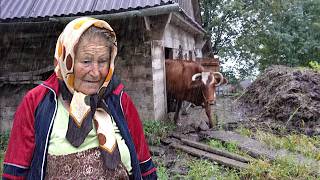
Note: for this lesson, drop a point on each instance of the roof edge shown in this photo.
(152, 11)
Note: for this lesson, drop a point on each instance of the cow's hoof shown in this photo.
(179, 124)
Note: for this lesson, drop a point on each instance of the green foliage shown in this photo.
(204, 169)
(200, 169)
(4, 137)
(162, 172)
(155, 130)
(258, 33)
(314, 65)
(1, 161)
(228, 146)
(244, 131)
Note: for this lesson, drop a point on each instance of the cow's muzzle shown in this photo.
(212, 103)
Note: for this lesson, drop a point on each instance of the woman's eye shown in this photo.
(86, 61)
(103, 61)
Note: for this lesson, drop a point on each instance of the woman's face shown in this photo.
(91, 67)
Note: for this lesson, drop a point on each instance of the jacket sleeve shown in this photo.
(21, 142)
(147, 167)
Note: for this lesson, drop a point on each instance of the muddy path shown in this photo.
(225, 114)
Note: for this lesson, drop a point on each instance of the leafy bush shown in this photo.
(314, 65)
(4, 137)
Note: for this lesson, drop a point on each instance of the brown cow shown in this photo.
(187, 81)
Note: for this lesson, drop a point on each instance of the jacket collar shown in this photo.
(52, 82)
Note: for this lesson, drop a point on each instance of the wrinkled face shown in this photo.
(91, 67)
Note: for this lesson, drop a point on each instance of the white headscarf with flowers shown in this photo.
(64, 68)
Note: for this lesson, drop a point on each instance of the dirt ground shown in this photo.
(225, 114)
(284, 98)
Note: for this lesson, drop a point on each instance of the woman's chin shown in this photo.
(88, 90)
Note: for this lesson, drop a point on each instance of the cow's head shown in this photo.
(209, 81)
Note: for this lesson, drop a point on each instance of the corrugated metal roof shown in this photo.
(11, 9)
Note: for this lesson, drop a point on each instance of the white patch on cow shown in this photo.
(205, 77)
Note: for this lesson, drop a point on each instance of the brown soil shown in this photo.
(285, 97)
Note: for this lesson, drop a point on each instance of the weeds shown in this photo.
(1, 161)
(281, 168)
(228, 146)
(200, 169)
(155, 130)
(314, 65)
(162, 172)
(308, 146)
(4, 137)
(204, 169)
(244, 131)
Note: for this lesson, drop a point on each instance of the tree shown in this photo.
(258, 33)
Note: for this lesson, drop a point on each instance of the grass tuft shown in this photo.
(299, 143)
(156, 130)
(281, 168)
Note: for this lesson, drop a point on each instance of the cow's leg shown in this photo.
(176, 115)
(208, 112)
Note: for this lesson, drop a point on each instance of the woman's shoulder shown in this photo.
(35, 95)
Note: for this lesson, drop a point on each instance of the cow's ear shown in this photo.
(218, 77)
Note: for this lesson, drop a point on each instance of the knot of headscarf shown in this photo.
(86, 110)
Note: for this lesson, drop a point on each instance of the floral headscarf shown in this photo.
(86, 108)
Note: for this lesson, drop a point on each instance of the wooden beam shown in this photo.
(215, 150)
(210, 156)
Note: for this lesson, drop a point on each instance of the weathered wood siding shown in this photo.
(179, 39)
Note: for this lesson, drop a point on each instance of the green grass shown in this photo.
(299, 143)
(228, 146)
(204, 169)
(162, 172)
(4, 137)
(155, 130)
(1, 161)
(282, 168)
(245, 131)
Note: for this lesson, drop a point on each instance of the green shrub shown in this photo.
(4, 137)
(314, 65)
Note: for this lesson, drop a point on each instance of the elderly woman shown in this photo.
(79, 124)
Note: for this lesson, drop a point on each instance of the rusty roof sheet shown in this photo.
(24, 9)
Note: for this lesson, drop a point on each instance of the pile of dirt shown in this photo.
(289, 97)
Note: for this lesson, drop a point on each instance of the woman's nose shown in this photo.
(95, 71)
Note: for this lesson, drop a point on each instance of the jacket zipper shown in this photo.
(51, 123)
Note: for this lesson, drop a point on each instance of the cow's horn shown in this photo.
(221, 78)
(194, 77)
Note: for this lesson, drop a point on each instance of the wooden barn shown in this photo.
(148, 32)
